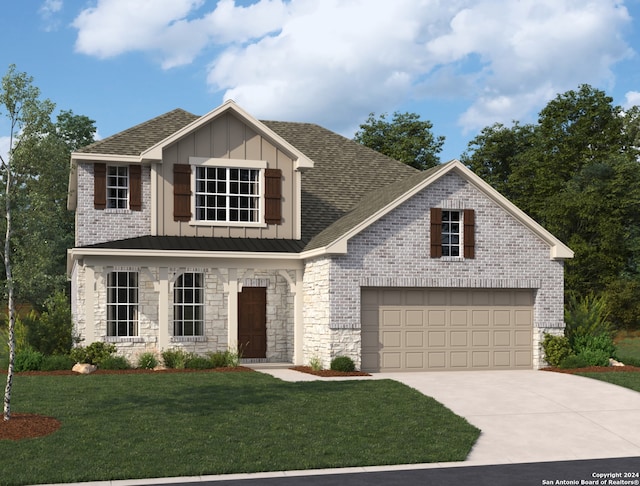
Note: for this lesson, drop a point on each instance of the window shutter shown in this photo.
(181, 192)
(273, 196)
(436, 232)
(135, 187)
(469, 233)
(99, 186)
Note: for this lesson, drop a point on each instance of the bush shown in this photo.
(586, 316)
(556, 349)
(573, 361)
(28, 360)
(342, 363)
(176, 358)
(196, 362)
(57, 362)
(223, 359)
(114, 363)
(600, 343)
(631, 361)
(595, 357)
(315, 363)
(93, 354)
(147, 360)
(51, 332)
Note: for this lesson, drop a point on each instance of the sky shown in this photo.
(460, 64)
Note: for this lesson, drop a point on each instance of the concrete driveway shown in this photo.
(536, 416)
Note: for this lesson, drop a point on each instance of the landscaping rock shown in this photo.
(84, 368)
(613, 362)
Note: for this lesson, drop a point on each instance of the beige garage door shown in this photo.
(446, 329)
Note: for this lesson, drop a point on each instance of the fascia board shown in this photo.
(72, 188)
(76, 253)
(91, 157)
(300, 160)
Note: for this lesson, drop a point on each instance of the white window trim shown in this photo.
(460, 245)
(195, 337)
(260, 165)
(128, 197)
(136, 320)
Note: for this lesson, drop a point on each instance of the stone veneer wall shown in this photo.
(100, 225)
(395, 252)
(279, 313)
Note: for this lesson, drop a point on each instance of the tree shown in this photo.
(577, 173)
(45, 228)
(405, 138)
(29, 118)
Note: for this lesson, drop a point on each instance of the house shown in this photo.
(291, 243)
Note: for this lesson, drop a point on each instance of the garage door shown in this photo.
(446, 329)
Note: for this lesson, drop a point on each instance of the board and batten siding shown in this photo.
(225, 137)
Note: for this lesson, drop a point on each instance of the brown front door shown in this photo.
(252, 322)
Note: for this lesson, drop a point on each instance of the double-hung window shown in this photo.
(452, 233)
(117, 187)
(225, 194)
(188, 305)
(122, 304)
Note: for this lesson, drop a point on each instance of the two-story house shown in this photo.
(290, 242)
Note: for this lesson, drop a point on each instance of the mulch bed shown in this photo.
(27, 426)
(328, 373)
(135, 371)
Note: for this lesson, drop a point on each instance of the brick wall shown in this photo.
(97, 226)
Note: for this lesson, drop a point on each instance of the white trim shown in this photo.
(113, 158)
(228, 163)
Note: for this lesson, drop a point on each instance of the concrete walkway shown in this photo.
(529, 416)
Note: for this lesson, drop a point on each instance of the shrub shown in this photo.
(57, 362)
(573, 361)
(586, 316)
(114, 363)
(342, 363)
(217, 359)
(175, 358)
(147, 360)
(198, 363)
(28, 360)
(556, 349)
(595, 357)
(93, 354)
(631, 361)
(51, 331)
(602, 343)
(315, 363)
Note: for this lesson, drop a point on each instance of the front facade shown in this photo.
(290, 243)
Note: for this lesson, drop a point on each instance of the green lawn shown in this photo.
(628, 350)
(156, 425)
(628, 379)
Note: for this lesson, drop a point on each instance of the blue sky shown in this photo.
(462, 64)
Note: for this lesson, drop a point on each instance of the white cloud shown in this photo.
(632, 98)
(48, 11)
(335, 61)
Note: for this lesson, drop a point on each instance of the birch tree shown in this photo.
(29, 119)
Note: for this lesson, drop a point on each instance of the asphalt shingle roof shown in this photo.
(348, 183)
(195, 243)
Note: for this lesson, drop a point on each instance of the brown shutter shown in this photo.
(135, 188)
(273, 196)
(436, 232)
(469, 233)
(181, 192)
(99, 186)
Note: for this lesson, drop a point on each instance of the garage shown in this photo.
(446, 329)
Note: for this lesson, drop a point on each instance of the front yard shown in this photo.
(185, 424)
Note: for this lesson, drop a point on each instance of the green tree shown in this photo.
(577, 173)
(405, 138)
(29, 119)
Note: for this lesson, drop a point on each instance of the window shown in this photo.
(122, 304)
(117, 187)
(227, 194)
(188, 305)
(452, 233)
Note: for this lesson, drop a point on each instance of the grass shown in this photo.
(144, 426)
(626, 379)
(628, 349)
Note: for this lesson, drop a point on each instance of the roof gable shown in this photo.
(379, 203)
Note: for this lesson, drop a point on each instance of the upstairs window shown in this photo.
(452, 233)
(227, 194)
(117, 187)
